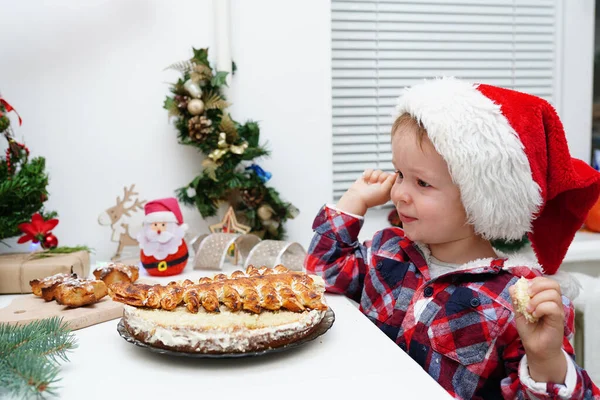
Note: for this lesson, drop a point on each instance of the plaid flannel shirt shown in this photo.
(459, 327)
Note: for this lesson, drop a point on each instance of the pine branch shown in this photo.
(29, 356)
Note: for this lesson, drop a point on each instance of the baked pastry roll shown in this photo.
(45, 287)
(117, 272)
(253, 291)
(80, 292)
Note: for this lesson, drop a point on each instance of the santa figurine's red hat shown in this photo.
(163, 210)
(508, 154)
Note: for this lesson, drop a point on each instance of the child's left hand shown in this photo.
(543, 339)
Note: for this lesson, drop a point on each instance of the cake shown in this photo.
(254, 310)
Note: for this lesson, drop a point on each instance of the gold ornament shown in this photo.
(229, 224)
(265, 212)
(195, 106)
(224, 147)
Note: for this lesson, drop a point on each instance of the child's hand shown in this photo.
(543, 339)
(370, 190)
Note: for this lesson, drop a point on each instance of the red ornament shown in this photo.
(50, 241)
(37, 229)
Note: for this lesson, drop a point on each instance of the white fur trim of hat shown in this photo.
(160, 216)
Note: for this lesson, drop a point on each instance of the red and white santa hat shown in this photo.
(163, 210)
(508, 154)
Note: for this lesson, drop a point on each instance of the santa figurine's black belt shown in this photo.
(163, 265)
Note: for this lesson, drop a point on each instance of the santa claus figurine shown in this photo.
(163, 249)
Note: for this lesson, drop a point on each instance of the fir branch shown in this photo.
(29, 356)
(22, 195)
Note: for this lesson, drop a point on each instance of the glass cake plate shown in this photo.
(319, 329)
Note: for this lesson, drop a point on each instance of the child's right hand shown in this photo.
(371, 189)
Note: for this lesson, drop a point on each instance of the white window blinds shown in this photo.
(382, 46)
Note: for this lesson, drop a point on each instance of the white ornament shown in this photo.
(191, 192)
(193, 88)
(195, 106)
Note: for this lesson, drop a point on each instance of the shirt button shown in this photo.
(428, 292)
(475, 302)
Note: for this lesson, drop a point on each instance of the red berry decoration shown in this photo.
(50, 241)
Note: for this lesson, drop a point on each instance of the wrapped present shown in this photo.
(17, 269)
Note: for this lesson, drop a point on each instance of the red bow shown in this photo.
(9, 108)
(37, 229)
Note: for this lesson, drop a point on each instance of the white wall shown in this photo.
(88, 80)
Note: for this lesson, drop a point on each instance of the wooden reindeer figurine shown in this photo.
(119, 217)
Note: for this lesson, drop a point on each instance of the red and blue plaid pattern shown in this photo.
(459, 327)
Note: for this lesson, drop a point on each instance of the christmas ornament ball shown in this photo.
(264, 212)
(50, 241)
(195, 107)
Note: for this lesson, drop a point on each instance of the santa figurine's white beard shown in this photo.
(161, 245)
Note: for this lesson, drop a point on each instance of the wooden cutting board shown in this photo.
(28, 308)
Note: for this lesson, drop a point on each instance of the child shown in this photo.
(473, 163)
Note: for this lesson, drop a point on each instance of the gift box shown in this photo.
(17, 269)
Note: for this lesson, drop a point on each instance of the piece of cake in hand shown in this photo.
(80, 292)
(117, 272)
(522, 299)
(45, 287)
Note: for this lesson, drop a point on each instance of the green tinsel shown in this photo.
(23, 186)
(223, 177)
(30, 355)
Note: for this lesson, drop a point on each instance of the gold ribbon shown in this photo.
(224, 147)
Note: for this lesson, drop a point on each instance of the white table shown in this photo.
(353, 359)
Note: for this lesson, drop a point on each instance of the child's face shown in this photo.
(428, 202)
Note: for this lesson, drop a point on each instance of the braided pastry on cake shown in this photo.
(253, 291)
